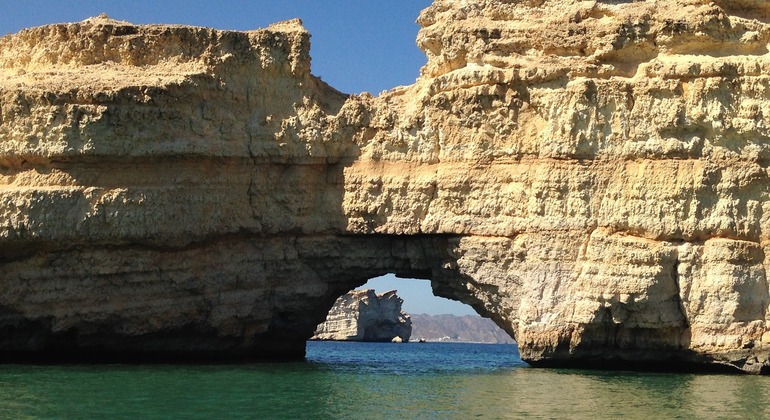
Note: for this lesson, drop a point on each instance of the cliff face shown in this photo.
(592, 175)
(363, 315)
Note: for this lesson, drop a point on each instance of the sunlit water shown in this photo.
(371, 380)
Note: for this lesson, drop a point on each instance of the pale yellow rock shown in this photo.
(591, 175)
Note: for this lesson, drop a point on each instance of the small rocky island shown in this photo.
(363, 315)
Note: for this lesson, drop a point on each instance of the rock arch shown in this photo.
(591, 175)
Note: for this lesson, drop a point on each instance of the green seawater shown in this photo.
(373, 381)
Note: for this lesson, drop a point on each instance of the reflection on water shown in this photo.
(548, 394)
(375, 381)
(580, 394)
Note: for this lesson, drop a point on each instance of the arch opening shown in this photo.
(402, 309)
(446, 335)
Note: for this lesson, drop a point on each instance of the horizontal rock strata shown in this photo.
(592, 175)
(363, 315)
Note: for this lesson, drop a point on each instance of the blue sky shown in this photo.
(357, 45)
(418, 296)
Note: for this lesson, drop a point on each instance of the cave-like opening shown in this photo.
(367, 325)
(433, 318)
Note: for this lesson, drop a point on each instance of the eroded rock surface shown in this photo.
(592, 175)
(363, 315)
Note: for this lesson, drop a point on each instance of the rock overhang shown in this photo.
(591, 175)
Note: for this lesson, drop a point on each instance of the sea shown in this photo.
(346, 380)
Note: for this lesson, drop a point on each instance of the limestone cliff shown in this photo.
(592, 175)
(363, 315)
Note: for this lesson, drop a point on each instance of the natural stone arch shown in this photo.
(351, 261)
(197, 196)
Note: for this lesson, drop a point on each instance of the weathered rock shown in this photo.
(592, 175)
(363, 315)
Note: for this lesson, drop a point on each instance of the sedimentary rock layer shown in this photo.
(592, 175)
(363, 315)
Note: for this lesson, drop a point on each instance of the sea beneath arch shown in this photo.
(344, 380)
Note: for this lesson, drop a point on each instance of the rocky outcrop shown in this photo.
(592, 175)
(453, 328)
(363, 315)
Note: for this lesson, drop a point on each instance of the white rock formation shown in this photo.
(363, 315)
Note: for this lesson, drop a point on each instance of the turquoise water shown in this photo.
(374, 380)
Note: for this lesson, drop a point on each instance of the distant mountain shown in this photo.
(468, 328)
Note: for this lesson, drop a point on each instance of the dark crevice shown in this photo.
(678, 296)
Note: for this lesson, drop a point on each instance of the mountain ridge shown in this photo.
(457, 328)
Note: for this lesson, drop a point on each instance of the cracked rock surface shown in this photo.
(364, 315)
(592, 175)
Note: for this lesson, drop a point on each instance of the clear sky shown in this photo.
(418, 296)
(356, 46)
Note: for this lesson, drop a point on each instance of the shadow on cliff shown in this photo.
(199, 218)
(359, 258)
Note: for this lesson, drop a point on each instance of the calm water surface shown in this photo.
(373, 380)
